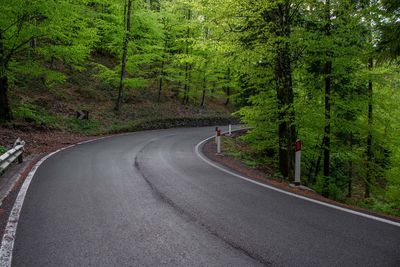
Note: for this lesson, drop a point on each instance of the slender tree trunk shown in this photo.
(121, 89)
(162, 72)
(228, 89)
(350, 181)
(287, 133)
(125, 12)
(161, 81)
(5, 110)
(318, 162)
(327, 128)
(203, 98)
(190, 82)
(283, 77)
(188, 78)
(187, 67)
(186, 83)
(33, 42)
(369, 138)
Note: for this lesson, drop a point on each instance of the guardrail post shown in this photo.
(230, 129)
(20, 159)
(219, 142)
(297, 162)
(17, 143)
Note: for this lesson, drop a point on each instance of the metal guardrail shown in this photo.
(13, 154)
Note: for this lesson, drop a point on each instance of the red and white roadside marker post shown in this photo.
(216, 134)
(219, 142)
(297, 170)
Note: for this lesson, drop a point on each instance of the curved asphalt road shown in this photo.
(146, 199)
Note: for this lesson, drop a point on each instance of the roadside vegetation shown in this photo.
(326, 72)
(238, 148)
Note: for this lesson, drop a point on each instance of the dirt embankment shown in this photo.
(38, 140)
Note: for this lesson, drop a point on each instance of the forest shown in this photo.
(326, 72)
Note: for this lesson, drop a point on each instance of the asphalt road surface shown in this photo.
(147, 199)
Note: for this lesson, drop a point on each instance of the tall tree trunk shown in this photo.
(5, 110)
(203, 98)
(327, 128)
(125, 12)
(161, 81)
(350, 174)
(283, 77)
(186, 91)
(228, 88)
(369, 138)
(121, 89)
(187, 67)
(318, 161)
(162, 72)
(190, 82)
(287, 132)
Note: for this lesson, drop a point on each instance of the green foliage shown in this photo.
(33, 114)
(348, 39)
(88, 127)
(53, 31)
(389, 43)
(234, 149)
(2, 150)
(336, 192)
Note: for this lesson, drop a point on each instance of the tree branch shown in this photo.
(15, 49)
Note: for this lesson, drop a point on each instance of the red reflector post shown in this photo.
(298, 145)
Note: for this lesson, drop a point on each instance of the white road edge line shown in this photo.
(7, 243)
(201, 155)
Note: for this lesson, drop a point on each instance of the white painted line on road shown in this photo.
(102, 138)
(200, 155)
(92, 140)
(7, 243)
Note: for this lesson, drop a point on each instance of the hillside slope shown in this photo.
(45, 114)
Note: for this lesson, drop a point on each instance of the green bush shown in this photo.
(2, 150)
(89, 127)
(31, 113)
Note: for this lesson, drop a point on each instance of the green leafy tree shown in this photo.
(35, 36)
